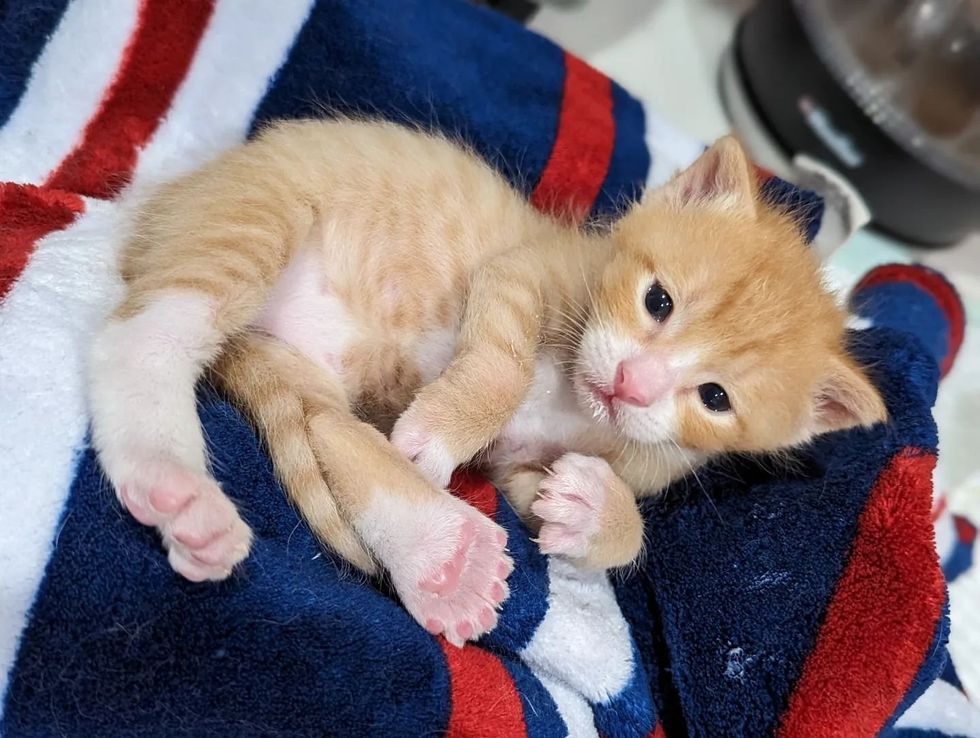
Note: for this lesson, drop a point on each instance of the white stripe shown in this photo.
(964, 627)
(67, 289)
(46, 322)
(583, 640)
(670, 149)
(243, 47)
(574, 711)
(943, 708)
(67, 85)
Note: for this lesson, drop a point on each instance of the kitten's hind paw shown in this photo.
(453, 579)
(201, 529)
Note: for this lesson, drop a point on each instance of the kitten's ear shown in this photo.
(846, 398)
(721, 177)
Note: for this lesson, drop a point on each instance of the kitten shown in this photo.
(339, 275)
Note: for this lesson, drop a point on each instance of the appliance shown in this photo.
(885, 92)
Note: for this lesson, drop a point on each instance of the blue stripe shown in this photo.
(445, 64)
(806, 206)
(930, 669)
(959, 561)
(906, 307)
(25, 28)
(631, 712)
(950, 676)
(541, 716)
(527, 605)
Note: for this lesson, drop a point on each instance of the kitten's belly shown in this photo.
(549, 423)
(307, 314)
(306, 310)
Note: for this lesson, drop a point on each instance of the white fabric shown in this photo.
(45, 323)
(68, 287)
(67, 84)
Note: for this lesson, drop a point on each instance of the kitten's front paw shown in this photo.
(570, 501)
(415, 437)
(454, 590)
(587, 513)
(201, 529)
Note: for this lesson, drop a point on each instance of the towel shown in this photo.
(800, 601)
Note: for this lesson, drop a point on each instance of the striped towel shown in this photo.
(804, 602)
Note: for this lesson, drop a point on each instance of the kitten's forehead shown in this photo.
(716, 257)
(747, 292)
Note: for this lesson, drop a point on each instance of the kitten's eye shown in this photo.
(658, 303)
(714, 397)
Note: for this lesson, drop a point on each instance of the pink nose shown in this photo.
(643, 380)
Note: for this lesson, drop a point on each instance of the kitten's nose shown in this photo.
(643, 380)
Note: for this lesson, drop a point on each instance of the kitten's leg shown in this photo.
(459, 414)
(446, 560)
(143, 369)
(263, 377)
(204, 257)
(581, 510)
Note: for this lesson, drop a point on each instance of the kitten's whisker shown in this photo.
(697, 479)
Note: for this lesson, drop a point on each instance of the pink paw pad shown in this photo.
(459, 596)
(488, 618)
(171, 500)
(446, 579)
(200, 526)
(569, 504)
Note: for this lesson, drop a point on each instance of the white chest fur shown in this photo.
(549, 422)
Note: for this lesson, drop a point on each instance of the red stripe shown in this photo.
(965, 530)
(936, 285)
(485, 701)
(475, 490)
(583, 146)
(28, 214)
(882, 619)
(153, 66)
(658, 732)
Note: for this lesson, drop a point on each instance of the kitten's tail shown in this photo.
(267, 378)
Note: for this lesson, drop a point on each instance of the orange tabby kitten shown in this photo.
(340, 275)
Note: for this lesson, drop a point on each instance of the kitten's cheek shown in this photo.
(656, 424)
(698, 432)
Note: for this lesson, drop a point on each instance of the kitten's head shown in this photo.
(711, 327)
